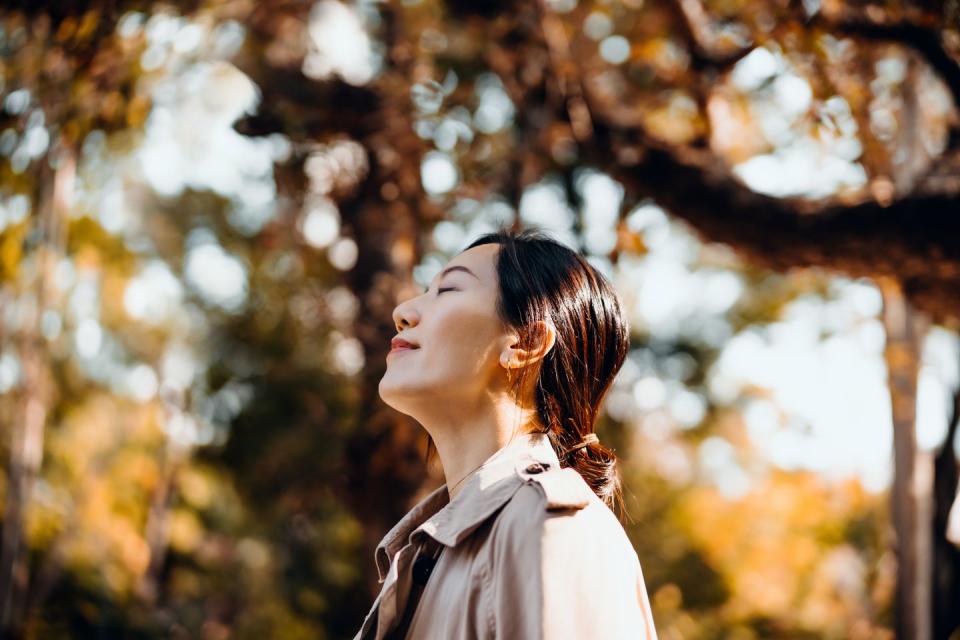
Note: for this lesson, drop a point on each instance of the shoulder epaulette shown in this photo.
(564, 488)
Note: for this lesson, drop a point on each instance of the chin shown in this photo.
(406, 397)
(394, 393)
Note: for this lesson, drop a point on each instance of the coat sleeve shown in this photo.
(566, 574)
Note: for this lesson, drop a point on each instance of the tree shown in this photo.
(470, 110)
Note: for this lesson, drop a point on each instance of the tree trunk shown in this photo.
(946, 555)
(913, 470)
(26, 446)
(156, 531)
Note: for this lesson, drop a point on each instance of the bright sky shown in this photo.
(828, 407)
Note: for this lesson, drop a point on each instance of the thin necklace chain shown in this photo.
(464, 478)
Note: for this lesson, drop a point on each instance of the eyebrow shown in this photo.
(457, 268)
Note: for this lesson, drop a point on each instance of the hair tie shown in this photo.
(590, 438)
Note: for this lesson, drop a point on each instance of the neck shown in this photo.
(465, 439)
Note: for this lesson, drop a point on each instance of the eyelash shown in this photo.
(439, 291)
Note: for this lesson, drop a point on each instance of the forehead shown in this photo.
(481, 260)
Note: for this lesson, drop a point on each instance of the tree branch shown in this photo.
(924, 40)
(707, 49)
(915, 239)
(565, 73)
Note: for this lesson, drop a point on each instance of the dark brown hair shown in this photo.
(542, 279)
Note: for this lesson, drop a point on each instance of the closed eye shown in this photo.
(439, 291)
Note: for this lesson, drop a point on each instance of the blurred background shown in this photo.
(209, 209)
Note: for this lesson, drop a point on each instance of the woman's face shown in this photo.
(458, 334)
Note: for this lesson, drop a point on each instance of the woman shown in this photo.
(504, 360)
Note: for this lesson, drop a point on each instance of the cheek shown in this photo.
(463, 332)
(458, 351)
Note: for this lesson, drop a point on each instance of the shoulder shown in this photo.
(554, 511)
(561, 565)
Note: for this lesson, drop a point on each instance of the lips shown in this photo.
(399, 344)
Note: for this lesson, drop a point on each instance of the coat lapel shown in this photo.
(450, 522)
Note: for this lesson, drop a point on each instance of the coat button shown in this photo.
(537, 467)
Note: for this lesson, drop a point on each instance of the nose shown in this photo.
(405, 315)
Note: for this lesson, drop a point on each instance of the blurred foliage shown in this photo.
(201, 316)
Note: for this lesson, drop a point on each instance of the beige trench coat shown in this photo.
(526, 551)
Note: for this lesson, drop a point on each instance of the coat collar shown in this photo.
(492, 485)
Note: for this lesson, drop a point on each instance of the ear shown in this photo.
(514, 357)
